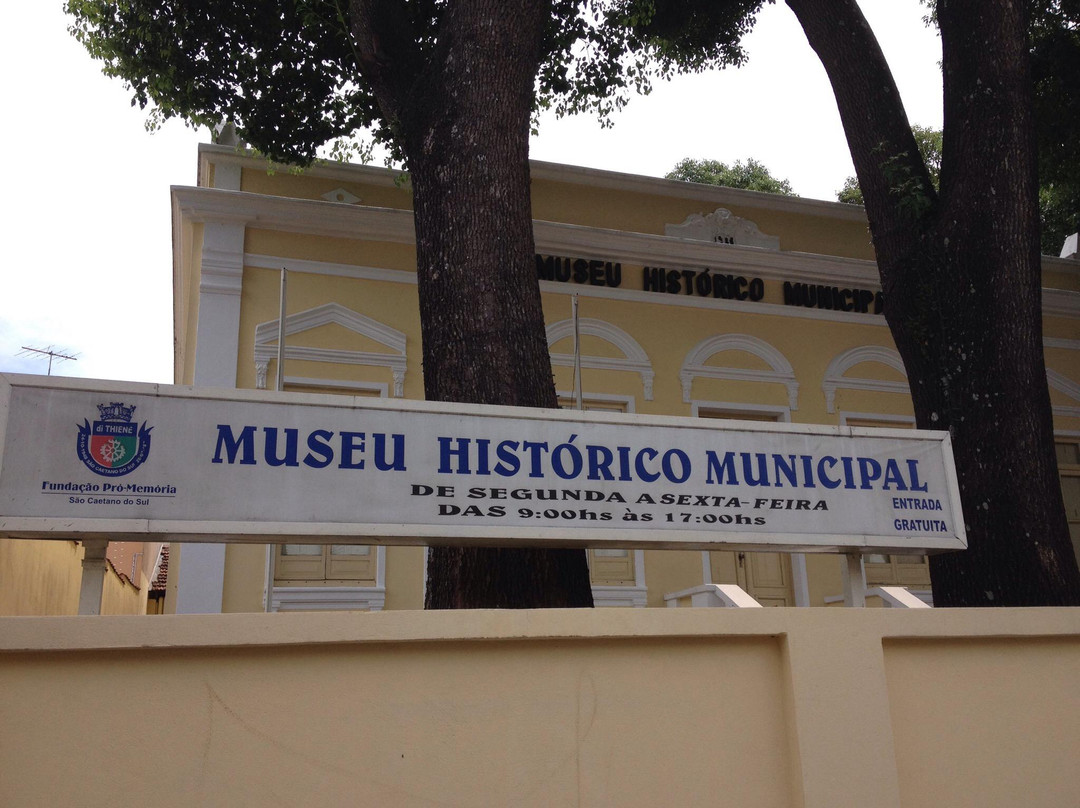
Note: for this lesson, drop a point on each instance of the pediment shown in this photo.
(722, 227)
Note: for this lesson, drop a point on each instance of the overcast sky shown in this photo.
(87, 264)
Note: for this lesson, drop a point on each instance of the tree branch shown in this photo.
(895, 181)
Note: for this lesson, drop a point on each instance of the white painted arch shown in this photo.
(1064, 384)
(836, 373)
(266, 335)
(634, 358)
(780, 371)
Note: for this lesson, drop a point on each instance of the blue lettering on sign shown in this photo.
(806, 471)
(569, 459)
(281, 447)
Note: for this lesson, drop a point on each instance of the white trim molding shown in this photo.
(199, 569)
(800, 582)
(396, 226)
(327, 314)
(845, 416)
(781, 371)
(835, 378)
(1061, 342)
(341, 195)
(722, 227)
(734, 409)
(636, 596)
(634, 358)
(346, 388)
(329, 598)
(1065, 385)
(716, 595)
(628, 402)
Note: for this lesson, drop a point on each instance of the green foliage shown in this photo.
(750, 176)
(909, 188)
(1059, 212)
(286, 74)
(851, 193)
(600, 52)
(929, 142)
(1055, 68)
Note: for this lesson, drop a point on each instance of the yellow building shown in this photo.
(694, 300)
(69, 577)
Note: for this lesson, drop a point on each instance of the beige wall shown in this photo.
(760, 707)
(40, 577)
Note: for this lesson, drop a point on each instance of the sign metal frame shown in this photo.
(21, 525)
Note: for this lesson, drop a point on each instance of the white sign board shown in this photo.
(91, 458)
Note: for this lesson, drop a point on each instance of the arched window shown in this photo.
(331, 314)
(837, 375)
(779, 368)
(633, 359)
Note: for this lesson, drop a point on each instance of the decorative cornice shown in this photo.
(650, 250)
(358, 222)
(722, 227)
(305, 216)
(222, 272)
(341, 195)
(326, 268)
(712, 196)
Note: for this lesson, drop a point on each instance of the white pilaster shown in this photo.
(219, 304)
(93, 576)
(202, 566)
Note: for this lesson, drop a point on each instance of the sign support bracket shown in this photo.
(854, 580)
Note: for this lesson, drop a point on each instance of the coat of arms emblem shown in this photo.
(115, 445)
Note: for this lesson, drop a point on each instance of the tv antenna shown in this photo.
(50, 352)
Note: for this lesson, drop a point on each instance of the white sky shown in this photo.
(88, 261)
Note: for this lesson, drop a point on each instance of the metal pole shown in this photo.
(577, 354)
(281, 335)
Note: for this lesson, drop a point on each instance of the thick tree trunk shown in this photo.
(961, 275)
(481, 320)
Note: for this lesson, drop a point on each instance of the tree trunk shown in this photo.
(481, 320)
(960, 270)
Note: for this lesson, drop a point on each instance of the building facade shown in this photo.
(693, 300)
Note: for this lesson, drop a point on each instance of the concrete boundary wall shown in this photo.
(762, 707)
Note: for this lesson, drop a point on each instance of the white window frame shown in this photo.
(266, 334)
(835, 378)
(634, 358)
(780, 372)
(902, 420)
(628, 402)
(635, 595)
(327, 598)
(736, 408)
(346, 387)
